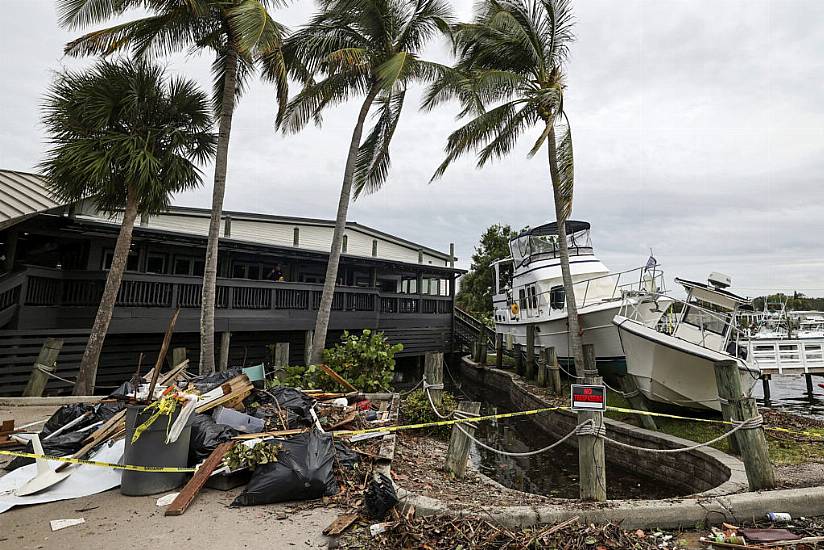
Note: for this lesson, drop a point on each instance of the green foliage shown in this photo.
(366, 361)
(416, 409)
(362, 48)
(241, 456)
(124, 127)
(477, 286)
(795, 302)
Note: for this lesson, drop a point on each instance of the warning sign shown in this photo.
(589, 398)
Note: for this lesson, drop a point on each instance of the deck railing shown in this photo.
(786, 356)
(36, 286)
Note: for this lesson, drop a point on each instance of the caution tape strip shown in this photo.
(130, 467)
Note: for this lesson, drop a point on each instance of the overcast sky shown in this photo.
(698, 129)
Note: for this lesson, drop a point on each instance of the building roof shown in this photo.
(22, 195)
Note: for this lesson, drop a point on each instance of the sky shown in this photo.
(698, 130)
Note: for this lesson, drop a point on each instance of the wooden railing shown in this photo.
(36, 286)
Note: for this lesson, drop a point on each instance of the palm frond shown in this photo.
(372, 165)
(309, 103)
(562, 134)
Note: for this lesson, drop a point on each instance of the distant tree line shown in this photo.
(795, 302)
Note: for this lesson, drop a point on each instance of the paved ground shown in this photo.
(117, 521)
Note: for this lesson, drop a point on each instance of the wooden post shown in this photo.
(809, 380)
(281, 354)
(554, 370)
(178, 356)
(637, 401)
(459, 443)
(591, 463)
(543, 370)
(482, 349)
(225, 340)
(752, 442)
(433, 373)
(46, 362)
(308, 337)
(765, 384)
(529, 372)
(519, 359)
(499, 350)
(725, 393)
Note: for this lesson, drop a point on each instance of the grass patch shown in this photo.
(784, 450)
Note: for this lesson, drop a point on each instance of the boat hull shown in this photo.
(598, 330)
(671, 370)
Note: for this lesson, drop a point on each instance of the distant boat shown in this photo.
(677, 368)
(529, 290)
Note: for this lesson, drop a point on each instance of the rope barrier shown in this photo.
(679, 449)
(525, 453)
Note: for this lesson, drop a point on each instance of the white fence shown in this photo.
(786, 356)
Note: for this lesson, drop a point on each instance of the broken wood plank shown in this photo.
(164, 348)
(350, 417)
(337, 378)
(278, 433)
(189, 492)
(341, 524)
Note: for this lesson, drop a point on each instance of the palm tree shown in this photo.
(363, 48)
(125, 137)
(243, 38)
(512, 57)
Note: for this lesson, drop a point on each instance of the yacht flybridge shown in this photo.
(529, 290)
(677, 368)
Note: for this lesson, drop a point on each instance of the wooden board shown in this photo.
(341, 524)
(189, 492)
(337, 378)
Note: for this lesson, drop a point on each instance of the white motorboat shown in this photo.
(678, 368)
(529, 290)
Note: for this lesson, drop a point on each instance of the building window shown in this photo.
(521, 299)
(532, 295)
(557, 297)
(182, 266)
(131, 262)
(198, 268)
(374, 247)
(296, 237)
(344, 244)
(156, 263)
(420, 256)
(408, 285)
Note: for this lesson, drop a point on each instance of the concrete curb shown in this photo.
(643, 514)
(46, 401)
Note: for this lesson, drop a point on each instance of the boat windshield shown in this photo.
(535, 244)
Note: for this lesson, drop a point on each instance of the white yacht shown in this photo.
(678, 368)
(811, 326)
(529, 290)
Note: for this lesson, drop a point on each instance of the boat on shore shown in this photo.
(677, 368)
(529, 291)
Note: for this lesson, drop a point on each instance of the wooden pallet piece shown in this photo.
(189, 492)
(341, 524)
(337, 378)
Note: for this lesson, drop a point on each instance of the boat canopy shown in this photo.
(542, 242)
(713, 295)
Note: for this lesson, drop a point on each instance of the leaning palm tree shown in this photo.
(242, 36)
(125, 137)
(365, 48)
(510, 76)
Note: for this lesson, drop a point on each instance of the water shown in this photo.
(789, 393)
(553, 473)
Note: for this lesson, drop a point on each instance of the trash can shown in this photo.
(151, 450)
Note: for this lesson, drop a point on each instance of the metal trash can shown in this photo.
(151, 450)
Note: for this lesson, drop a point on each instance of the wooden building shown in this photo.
(54, 257)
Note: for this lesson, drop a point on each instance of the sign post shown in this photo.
(589, 400)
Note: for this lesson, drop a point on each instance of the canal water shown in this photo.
(553, 473)
(789, 393)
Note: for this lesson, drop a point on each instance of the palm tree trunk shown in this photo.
(325, 308)
(569, 291)
(207, 307)
(88, 365)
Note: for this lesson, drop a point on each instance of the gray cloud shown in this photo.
(698, 128)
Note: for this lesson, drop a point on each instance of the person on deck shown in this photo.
(276, 274)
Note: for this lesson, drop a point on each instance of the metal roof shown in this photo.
(22, 195)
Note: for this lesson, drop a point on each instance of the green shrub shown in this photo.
(416, 409)
(366, 361)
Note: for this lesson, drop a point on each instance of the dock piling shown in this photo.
(519, 359)
(459, 443)
(765, 384)
(46, 364)
(499, 350)
(591, 461)
(554, 370)
(433, 376)
(529, 372)
(637, 401)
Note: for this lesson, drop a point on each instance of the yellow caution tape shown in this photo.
(449, 422)
(130, 467)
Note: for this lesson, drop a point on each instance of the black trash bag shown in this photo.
(206, 435)
(346, 456)
(380, 497)
(63, 416)
(208, 382)
(297, 405)
(59, 445)
(303, 471)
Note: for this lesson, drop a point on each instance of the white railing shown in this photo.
(798, 356)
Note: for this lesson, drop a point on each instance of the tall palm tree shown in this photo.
(242, 36)
(365, 48)
(510, 76)
(125, 137)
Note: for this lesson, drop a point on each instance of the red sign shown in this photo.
(589, 398)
